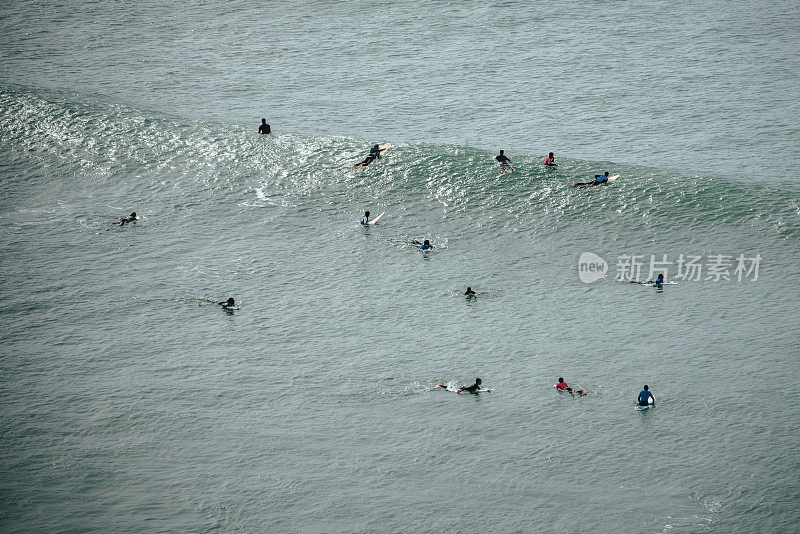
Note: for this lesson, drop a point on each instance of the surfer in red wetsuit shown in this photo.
(550, 161)
(561, 386)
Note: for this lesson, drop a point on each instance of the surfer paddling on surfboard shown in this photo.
(229, 304)
(122, 220)
(505, 162)
(425, 245)
(599, 179)
(374, 153)
(474, 388)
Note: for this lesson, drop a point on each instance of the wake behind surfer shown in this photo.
(644, 397)
(264, 128)
(550, 160)
(599, 179)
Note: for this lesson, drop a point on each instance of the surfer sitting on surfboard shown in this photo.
(550, 160)
(374, 153)
(129, 219)
(504, 161)
(645, 396)
(599, 179)
(425, 245)
(469, 292)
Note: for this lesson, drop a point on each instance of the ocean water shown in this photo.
(131, 404)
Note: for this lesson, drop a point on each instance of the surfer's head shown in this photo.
(606, 173)
(660, 277)
(229, 302)
(133, 214)
(560, 378)
(366, 214)
(478, 381)
(552, 155)
(263, 121)
(426, 243)
(376, 145)
(501, 152)
(646, 388)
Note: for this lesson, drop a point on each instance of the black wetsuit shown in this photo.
(264, 129)
(472, 389)
(503, 159)
(469, 293)
(374, 153)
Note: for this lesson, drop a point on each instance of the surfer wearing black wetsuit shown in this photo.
(129, 219)
(502, 159)
(227, 304)
(469, 292)
(471, 389)
(645, 396)
(264, 128)
(598, 180)
(365, 219)
(374, 153)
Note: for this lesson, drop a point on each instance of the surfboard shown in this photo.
(613, 178)
(376, 219)
(649, 405)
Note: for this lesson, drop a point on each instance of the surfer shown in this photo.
(577, 391)
(599, 179)
(504, 161)
(658, 281)
(365, 219)
(645, 396)
(374, 153)
(425, 245)
(550, 160)
(469, 292)
(129, 219)
(229, 304)
(471, 389)
(561, 386)
(264, 128)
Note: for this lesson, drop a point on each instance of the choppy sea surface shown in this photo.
(128, 403)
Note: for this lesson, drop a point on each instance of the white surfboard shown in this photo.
(376, 219)
(613, 178)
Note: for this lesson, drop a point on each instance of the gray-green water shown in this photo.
(129, 404)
